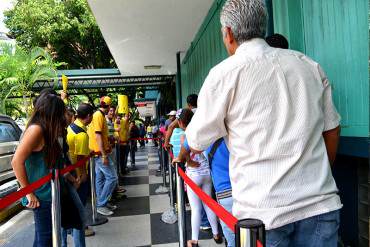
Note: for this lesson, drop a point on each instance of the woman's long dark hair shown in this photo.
(49, 110)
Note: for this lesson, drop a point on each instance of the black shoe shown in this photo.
(218, 240)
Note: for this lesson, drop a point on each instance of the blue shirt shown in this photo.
(219, 166)
(176, 141)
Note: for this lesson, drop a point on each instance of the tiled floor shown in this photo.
(139, 216)
(137, 221)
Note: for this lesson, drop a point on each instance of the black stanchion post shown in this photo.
(55, 208)
(170, 176)
(250, 233)
(96, 219)
(162, 188)
(181, 210)
(164, 167)
(160, 155)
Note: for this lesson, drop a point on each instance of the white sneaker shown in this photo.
(111, 206)
(104, 211)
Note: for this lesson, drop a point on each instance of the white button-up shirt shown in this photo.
(272, 106)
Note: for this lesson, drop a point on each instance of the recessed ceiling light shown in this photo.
(152, 66)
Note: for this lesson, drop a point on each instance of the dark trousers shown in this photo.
(133, 148)
(83, 191)
(124, 150)
(42, 216)
(142, 142)
(155, 141)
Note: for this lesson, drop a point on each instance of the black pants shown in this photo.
(142, 142)
(124, 150)
(133, 149)
(155, 141)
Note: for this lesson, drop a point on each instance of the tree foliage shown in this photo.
(19, 70)
(67, 28)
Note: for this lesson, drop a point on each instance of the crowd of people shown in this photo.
(265, 133)
(260, 138)
(56, 137)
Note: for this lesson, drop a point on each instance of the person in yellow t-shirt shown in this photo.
(106, 176)
(123, 125)
(78, 143)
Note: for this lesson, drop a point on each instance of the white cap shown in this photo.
(172, 113)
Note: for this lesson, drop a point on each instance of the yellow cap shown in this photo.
(105, 101)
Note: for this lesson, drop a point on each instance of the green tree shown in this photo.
(66, 28)
(19, 70)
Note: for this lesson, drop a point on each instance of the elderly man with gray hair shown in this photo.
(274, 107)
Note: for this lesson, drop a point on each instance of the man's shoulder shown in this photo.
(227, 65)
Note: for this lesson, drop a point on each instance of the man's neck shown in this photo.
(82, 121)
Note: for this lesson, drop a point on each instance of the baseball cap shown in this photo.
(105, 101)
(178, 113)
(172, 113)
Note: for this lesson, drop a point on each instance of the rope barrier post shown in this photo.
(164, 167)
(162, 188)
(250, 233)
(96, 219)
(169, 216)
(55, 208)
(181, 206)
(170, 176)
(160, 155)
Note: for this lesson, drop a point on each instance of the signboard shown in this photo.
(146, 109)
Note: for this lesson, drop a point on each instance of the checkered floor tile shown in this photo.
(137, 220)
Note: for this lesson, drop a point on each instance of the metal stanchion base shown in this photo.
(98, 221)
(169, 216)
(161, 190)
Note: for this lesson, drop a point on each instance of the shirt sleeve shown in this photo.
(98, 122)
(82, 144)
(331, 116)
(208, 123)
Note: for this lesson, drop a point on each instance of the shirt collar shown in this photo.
(80, 124)
(253, 45)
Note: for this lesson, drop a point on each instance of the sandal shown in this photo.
(192, 244)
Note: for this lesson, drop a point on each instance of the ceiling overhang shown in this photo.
(143, 33)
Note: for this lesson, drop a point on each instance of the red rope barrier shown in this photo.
(221, 212)
(15, 196)
(72, 167)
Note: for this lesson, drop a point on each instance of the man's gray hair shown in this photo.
(246, 18)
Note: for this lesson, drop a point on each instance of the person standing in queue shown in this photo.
(197, 168)
(110, 117)
(78, 143)
(39, 151)
(142, 133)
(106, 176)
(275, 109)
(123, 126)
(134, 134)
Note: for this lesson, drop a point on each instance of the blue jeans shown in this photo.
(105, 181)
(227, 203)
(78, 234)
(42, 216)
(78, 237)
(316, 231)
